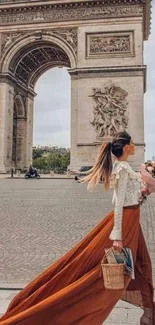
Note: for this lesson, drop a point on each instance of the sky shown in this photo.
(149, 98)
(53, 102)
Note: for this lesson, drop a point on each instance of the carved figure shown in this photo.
(110, 111)
(110, 44)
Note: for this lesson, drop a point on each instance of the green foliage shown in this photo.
(57, 160)
(37, 153)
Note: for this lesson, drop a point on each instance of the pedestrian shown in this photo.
(72, 291)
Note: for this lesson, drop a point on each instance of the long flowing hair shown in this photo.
(103, 166)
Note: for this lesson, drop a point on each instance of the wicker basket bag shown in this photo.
(113, 274)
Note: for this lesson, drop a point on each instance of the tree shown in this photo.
(40, 163)
(57, 160)
(37, 153)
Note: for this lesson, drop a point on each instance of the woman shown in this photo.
(72, 292)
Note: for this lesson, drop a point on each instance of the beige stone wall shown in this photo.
(9, 127)
(21, 143)
(6, 125)
(114, 27)
(88, 77)
(132, 84)
(85, 132)
(29, 133)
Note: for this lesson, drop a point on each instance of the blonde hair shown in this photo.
(103, 166)
(102, 169)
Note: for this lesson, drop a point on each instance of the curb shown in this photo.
(50, 178)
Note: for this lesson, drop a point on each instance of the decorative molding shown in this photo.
(110, 110)
(109, 44)
(100, 70)
(28, 3)
(109, 72)
(69, 12)
(12, 81)
(67, 34)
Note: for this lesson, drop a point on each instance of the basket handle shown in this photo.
(109, 251)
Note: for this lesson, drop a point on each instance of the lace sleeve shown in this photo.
(121, 188)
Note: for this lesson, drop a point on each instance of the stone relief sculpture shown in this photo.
(66, 12)
(8, 39)
(69, 35)
(110, 111)
(110, 44)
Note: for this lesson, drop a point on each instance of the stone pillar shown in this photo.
(21, 143)
(6, 125)
(29, 132)
(107, 54)
(74, 126)
(86, 141)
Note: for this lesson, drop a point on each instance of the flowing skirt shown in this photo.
(72, 292)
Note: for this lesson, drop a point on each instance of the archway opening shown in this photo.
(51, 120)
(52, 109)
(31, 61)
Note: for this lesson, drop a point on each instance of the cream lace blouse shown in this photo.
(127, 186)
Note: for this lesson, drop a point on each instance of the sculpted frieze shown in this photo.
(110, 44)
(55, 13)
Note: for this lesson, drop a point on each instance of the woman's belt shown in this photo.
(131, 206)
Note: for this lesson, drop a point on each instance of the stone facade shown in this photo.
(101, 43)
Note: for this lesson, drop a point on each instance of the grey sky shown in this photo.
(52, 105)
(52, 109)
(149, 100)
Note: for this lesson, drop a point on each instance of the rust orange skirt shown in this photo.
(71, 291)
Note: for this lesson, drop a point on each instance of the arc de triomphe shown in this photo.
(101, 43)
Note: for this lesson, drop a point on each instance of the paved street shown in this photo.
(42, 220)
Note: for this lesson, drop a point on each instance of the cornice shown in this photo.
(112, 69)
(108, 72)
(47, 3)
(29, 8)
(11, 80)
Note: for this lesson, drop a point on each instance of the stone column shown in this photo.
(29, 132)
(21, 145)
(74, 126)
(6, 125)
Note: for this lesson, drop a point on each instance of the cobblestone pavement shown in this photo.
(42, 220)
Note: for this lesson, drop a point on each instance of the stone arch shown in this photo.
(19, 107)
(37, 74)
(23, 43)
(25, 58)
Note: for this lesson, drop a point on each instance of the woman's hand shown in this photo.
(118, 245)
(145, 192)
